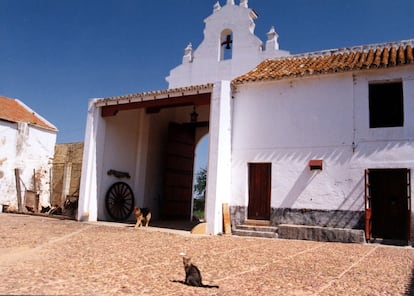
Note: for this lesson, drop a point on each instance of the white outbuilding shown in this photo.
(321, 139)
(27, 143)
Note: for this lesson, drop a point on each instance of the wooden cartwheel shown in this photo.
(119, 201)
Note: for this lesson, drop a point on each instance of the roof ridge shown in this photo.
(161, 93)
(45, 121)
(12, 112)
(360, 48)
(370, 56)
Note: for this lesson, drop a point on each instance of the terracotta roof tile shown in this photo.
(15, 111)
(331, 61)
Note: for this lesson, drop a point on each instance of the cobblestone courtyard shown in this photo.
(46, 256)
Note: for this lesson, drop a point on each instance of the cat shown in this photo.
(193, 274)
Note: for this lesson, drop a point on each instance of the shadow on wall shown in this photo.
(304, 179)
(346, 217)
(340, 154)
(342, 217)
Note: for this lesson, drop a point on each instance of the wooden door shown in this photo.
(368, 209)
(388, 204)
(178, 183)
(260, 175)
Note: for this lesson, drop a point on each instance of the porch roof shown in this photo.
(154, 100)
(372, 56)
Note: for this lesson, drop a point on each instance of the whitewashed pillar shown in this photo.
(92, 152)
(219, 159)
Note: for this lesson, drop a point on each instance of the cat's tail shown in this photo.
(209, 286)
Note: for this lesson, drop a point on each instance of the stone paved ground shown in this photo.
(46, 256)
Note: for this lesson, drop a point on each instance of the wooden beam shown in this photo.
(18, 191)
(158, 104)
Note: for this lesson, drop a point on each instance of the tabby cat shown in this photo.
(193, 274)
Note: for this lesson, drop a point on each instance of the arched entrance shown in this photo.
(177, 199)
(200, 178)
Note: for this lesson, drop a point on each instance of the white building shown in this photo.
(331, 133)
(300, 139)
(27, 143)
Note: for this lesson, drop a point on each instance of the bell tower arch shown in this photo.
(226, 45)
(229, 48)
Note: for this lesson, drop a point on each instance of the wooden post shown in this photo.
(226, 219)
(50, 185)
(36, 195)
(18, 190)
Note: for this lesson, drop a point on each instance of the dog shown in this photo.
(142, 215)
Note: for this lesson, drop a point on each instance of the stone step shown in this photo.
(255, 231)
(321, 234)
(266, 234)
(257, 228)
(257, 222)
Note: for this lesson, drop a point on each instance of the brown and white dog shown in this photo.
(142, 215)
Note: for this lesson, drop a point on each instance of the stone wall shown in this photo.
(67, 157)
(323, 218)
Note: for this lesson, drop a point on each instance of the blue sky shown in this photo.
(57, 54)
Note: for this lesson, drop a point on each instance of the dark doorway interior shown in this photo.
(176, 203)
(260, 175)
(389, 194)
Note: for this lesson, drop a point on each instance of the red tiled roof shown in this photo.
(15, 111)
(375, 56)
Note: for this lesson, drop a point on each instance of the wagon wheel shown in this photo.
(119, 201)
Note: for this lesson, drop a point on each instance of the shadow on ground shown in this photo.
(170, 224)
(410, 288)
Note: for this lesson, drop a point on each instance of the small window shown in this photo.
(386, 105)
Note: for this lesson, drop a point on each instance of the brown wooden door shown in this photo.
(260, 175)
(178, 183)
(389, 211)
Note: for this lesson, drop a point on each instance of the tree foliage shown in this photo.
(200, 185)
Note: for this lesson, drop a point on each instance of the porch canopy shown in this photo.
(154, 101)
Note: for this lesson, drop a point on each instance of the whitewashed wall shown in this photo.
(290, 122)
(31, 151)
(8, 132)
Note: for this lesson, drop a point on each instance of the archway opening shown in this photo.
(200, 178)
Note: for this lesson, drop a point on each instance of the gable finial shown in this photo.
(271, 34)
(243, 3)
(272, 39)
(188, 54)
(216, 7)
